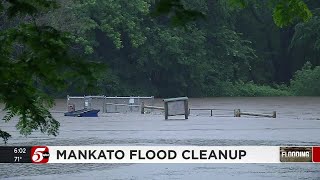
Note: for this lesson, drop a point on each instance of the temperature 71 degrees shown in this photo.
(17, 158)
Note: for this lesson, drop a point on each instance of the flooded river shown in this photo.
(297, 123)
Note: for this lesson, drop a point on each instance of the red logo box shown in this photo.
(316, 154)
(40, 154)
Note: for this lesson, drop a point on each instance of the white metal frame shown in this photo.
(105, 98)
(130, 105)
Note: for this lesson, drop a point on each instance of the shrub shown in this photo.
(306, 82)
(253, 90)
(248, 89)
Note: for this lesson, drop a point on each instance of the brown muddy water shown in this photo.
(297, 123)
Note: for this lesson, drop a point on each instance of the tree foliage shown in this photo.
(285, 12)
(288, 12)
(305, 43)
(34, 54)
(162, 48)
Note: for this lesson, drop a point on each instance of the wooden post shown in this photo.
(153, 102)
(67, 102)
(186, 114)
(237, 113)
(84, 101)
(274, 114)
(211, 112)
(104, 104)
(166, 110)
(142, 107)
(115, 105)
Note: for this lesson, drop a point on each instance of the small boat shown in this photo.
(83, 113)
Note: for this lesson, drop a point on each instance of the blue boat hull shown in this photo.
(83, 113)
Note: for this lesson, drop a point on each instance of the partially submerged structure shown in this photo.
(94, 104)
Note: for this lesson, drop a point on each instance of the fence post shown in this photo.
(237, 113)
(274, 114)
(166, 110)
(67, 102)
(186, 109)
(142, 107)
(104, 104)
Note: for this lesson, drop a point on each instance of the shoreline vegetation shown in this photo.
(304, 83)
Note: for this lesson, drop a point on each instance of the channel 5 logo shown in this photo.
(40, 154)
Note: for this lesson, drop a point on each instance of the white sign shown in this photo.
(176, 108)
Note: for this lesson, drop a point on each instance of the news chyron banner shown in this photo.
(159, 154)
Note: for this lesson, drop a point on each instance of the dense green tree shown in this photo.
(305, 43)
(29, 54)
(285, 12)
